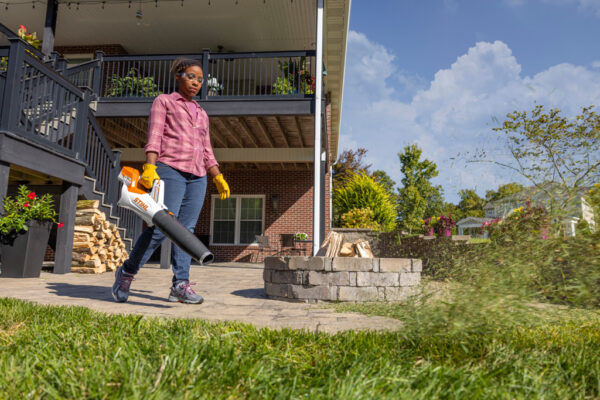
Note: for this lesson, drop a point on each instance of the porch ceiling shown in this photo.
(287, 131)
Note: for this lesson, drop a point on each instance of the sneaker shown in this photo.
(120, 289)
(183, 293)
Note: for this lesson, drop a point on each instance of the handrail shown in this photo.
(80, 67)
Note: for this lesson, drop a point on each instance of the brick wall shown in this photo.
(293, 215)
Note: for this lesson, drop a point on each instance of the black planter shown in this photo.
(23, 257)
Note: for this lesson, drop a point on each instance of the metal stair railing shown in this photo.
(44, 107)
(104, 164)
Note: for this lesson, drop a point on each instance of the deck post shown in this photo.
(63, 256)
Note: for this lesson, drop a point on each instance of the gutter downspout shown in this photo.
(317, 156)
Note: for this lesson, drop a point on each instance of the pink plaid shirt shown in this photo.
(181, 139)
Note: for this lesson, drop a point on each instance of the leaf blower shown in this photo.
(150, 207)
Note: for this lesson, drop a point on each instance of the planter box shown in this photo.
(24, 257)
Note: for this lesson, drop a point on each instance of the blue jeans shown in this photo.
(184, 196)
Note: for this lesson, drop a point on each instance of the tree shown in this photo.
(417, 188)
(349, 161)
(470, 204)
(384, 179)
(362, 191)
(558, 155)
(435, 202)
(503, 191)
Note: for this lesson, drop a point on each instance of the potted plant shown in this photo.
(24, 231)
(133, 85)
(214, 87)
(30, 38)
(444, 225)
(296, 78)
(429, 224)
(300, 236)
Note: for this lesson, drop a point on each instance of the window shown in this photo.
(237, 220)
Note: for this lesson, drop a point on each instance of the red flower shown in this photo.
(31, 195)
(60, 225)
(26, 204)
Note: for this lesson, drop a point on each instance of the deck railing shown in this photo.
(226, 75)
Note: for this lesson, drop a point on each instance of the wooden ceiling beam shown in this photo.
(227, 129)
(247, 131)
(283, 134)
(302, 144)
(217, 137)
(264, 131)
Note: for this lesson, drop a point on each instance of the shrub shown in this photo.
(362, 191)
(521, 222)
(360, 218)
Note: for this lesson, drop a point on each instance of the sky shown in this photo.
(442, 73)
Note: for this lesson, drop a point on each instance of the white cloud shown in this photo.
(582, 5)
(596, 64)
(454, 113)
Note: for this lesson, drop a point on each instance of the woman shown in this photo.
(178, 152)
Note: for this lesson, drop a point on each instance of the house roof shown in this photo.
(471, 220)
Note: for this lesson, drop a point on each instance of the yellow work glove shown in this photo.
(222, 186)
(149, 175)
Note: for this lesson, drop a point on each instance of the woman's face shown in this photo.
(190, 81)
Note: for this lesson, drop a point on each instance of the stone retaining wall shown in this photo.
(341, 278)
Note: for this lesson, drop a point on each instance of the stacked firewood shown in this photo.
(335, 246)
(97, 244)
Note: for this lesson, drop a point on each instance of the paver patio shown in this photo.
(231, 291)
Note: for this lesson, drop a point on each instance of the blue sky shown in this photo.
(438, 72)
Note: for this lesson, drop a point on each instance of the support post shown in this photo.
(4, 172)
(63, 256)
(97, 78)
(49, 27)
(317, 150)
(205, 59)
(10, 105)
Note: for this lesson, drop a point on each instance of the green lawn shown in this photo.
(72, 352)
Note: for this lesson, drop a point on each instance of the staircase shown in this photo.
(42, 103)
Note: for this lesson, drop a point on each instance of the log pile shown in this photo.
(335, 246)
(97, 244)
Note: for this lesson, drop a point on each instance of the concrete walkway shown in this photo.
(231, 291)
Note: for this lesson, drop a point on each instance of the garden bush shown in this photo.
(362, 191)
(360, 218)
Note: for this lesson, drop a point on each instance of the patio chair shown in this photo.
(264, 245)
(289, 245)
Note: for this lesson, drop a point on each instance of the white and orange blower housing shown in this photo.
(149, 205)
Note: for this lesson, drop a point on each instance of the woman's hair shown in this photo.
(181, 64)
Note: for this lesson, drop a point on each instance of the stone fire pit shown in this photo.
(341, 278)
